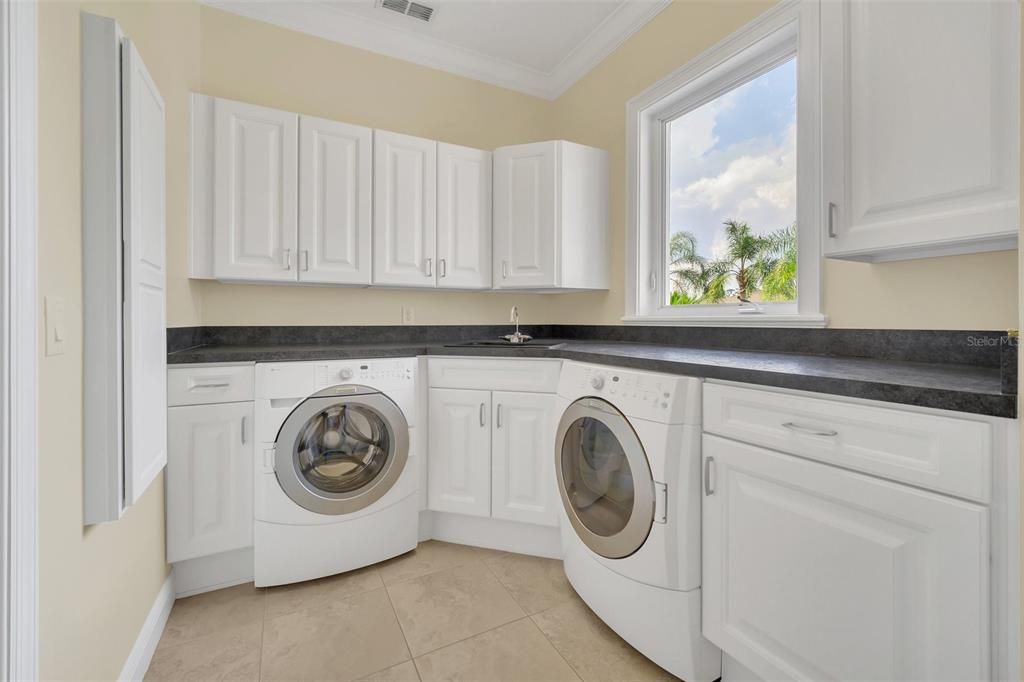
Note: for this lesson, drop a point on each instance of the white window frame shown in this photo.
(787, 30)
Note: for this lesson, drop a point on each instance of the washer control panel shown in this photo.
(370, 372)
(646, 395)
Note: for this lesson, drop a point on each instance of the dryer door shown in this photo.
(604, 478)
(341, 450)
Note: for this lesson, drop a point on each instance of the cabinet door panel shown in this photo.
(525, 209)
(459, 456)
(920, 124)
(404, 210)
(255, 187)
(522, 458)
(145, 278)
(335, 194)
(209, 480)
(815, 572)
(463, 217)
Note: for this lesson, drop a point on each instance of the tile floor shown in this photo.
(442, 612)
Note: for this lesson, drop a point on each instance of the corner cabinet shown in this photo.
(489, 451)
(550, 217)
(920, 128)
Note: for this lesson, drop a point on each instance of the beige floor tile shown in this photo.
(339, 640)
(229, 655)
(403, 672)
(428, 557)
(592, 648)
(299, 596)
(536, 583)
(513, 653)
(441, 608)
(213, 612)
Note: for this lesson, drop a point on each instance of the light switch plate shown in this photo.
(408, 315)
(56, 329)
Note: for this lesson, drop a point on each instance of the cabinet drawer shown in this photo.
(495, 374)
(205, 384)
(936, 452)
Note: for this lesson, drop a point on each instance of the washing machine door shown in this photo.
(604, 478)
(341, 449)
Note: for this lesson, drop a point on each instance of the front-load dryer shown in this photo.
(627, 459)
(336, 482)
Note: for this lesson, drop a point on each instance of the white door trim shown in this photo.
(19, 652)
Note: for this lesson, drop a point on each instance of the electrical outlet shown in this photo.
(408, 315)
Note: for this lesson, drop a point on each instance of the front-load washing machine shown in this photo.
(627, 458)
(336, 476)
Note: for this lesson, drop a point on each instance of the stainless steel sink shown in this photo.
(502, 343)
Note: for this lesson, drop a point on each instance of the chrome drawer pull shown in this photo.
(223, 385)
(810, 431)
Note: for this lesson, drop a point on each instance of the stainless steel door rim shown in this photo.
(336, 401)
(626, 540)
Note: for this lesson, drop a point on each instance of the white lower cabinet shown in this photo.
(459, 453)
(490, 451)
(812, 572)
(522, 465)
(209, 479)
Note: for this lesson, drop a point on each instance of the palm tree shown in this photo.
(691, 274)
(779, 284)
(765, 263)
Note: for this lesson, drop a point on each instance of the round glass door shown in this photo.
(604, 479)
(341, 450)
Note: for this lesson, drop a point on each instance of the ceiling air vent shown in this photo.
(409, 9)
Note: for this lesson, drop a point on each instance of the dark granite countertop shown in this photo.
(963, 388)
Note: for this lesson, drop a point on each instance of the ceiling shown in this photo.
(539, 47)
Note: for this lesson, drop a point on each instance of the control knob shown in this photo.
(346, 374)
(597, 381)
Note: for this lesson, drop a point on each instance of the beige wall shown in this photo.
(97, 584)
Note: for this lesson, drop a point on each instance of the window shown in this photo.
(723, 178)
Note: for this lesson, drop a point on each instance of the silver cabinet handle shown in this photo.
(429, 267)
(708, 463)
(831, 219)
(481, 414)
(498, 422)
(286, 259)
(810, 430)
(504, 269)
(243, 430)
(226, 384)
(305, 259)
(442, 266)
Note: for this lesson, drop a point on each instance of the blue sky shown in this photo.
(735, 158)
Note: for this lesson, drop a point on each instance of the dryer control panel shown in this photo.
(369, 372)
(663, 398)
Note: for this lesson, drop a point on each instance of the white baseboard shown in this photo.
(508, 536)
(215, 572)
(141, 655)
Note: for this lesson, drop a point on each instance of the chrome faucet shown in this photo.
(516, 337)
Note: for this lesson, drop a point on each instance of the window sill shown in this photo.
(806, 320)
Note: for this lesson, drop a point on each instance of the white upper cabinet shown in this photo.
(335, 194)
(812, 572)
(255, 186)
(405, 210)
(920, 127)
(550, 217)
(463, 217)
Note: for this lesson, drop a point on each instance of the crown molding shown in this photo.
(330, 23)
